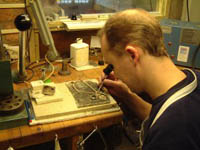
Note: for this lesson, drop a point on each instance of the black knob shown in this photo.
(23, 22)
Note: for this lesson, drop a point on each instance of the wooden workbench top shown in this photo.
(30, 135)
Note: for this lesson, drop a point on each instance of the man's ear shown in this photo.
(133, 52)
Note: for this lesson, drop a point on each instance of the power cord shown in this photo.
(188, 13)
(151, 5)
(32, 75)
(37, 62)
(52, 66)
(28, 34)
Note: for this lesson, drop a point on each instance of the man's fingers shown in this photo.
(111, 76)
(110, 83)
(99, 79)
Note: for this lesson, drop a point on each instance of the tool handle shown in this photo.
(108, 69)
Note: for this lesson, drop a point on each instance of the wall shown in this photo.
(193, 9)
(63, 39)
(7, 16)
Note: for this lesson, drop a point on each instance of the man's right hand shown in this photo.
(118, 89)
(122, 94)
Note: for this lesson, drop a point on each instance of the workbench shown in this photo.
(30, 135)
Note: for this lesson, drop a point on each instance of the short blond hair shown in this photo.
(137, 27)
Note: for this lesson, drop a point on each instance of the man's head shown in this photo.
(137, 27)
(126, 37)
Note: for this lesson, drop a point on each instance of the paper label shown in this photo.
(166, 29)
(183, 53)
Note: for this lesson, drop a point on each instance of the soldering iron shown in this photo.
(107, 72)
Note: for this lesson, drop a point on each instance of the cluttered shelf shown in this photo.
(27, 135)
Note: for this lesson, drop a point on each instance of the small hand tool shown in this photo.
(107, 71)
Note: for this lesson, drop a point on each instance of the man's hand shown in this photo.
(122, 94)
(116, 87)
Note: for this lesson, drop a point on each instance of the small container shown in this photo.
(79, 52)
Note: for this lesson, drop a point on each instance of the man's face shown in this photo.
(123, 67)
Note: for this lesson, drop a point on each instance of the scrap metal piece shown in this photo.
(48, 90)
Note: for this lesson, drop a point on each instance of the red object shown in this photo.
(169, 43)
(172, 56)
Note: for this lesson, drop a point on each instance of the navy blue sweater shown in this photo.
(178, 128)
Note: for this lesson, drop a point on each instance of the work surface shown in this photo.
(30, 135)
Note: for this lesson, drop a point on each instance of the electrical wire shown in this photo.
(28, 79)
(28, 67)
(28, 33)
(188, 13)
(31, 66)
(26, 10)
(103, 139)
(25, 6)
(52, 66)
(38, 64)
(28, 41)
(151, 5)
(33, 74)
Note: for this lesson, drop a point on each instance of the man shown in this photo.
(132, 41)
